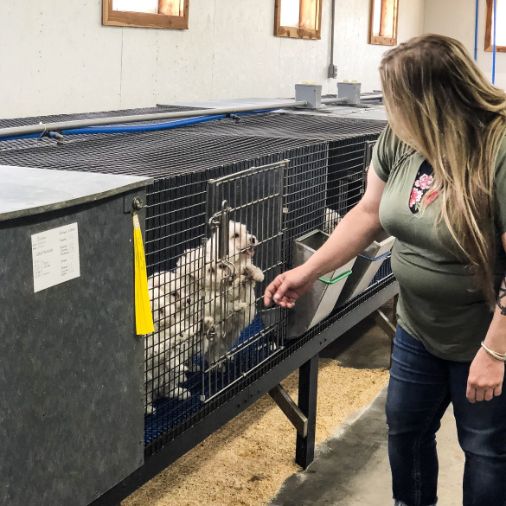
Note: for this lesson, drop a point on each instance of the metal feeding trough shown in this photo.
(367, 265)
(319, 302)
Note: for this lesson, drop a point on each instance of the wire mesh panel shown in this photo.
(176, 233)
(243, 250)
(347, 140)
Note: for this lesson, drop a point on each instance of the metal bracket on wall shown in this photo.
(297, 418)
(132, 203)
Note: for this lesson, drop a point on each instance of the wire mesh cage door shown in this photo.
(242, 254)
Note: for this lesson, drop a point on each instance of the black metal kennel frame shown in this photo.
(279, 176)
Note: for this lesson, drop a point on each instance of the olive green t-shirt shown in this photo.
(439, 303)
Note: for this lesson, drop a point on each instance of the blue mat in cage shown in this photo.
(170, 413)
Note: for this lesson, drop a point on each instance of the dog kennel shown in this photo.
(61, 400)
(281, 176)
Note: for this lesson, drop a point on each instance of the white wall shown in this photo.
(456, 18)
(355, 58)
(56, 57)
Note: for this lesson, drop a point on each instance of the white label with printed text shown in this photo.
(55, 255)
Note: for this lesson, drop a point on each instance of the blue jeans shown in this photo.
(421, 388)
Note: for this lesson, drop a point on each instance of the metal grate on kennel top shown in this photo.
(347, 139)
(208, 183)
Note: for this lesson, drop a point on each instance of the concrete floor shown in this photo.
(352, 468)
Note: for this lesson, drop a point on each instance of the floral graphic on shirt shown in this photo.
(421, 186)
(415, 198)
(424, 182)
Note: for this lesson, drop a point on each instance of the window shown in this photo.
(383, 22)
(501, 26)
(146, 13)
(299, 19)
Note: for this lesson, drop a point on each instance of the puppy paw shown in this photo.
(240, 306)
(253, 273)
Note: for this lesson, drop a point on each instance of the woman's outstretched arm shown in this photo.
(353, 233)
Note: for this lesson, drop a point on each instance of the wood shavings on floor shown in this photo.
(247, 461)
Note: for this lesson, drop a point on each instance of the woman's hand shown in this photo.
(486, 377)
(289, 286)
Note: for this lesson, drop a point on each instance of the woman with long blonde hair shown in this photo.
(437, 183)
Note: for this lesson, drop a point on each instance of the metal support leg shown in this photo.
(384, 323)
(388, 327)
(308, 387)
(290, 409)
(396, 301)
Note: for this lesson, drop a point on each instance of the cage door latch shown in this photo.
(290, 409)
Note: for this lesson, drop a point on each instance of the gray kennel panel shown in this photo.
(71, 368)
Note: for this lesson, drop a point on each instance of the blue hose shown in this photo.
(476, 24)
(494, 47)
(123, 129)
(152, 127)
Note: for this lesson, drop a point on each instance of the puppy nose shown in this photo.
(188, 301)
(253, 239)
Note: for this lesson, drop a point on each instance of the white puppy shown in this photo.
(241, 244)
(223, 311)
(332, 219)
(190, 266)
(229, 286)
(242, 248)
(170, 346)
(171, 297)
(165, 369)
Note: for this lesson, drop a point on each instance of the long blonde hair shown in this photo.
(440, 104)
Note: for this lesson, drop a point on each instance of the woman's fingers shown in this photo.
(291, 294)
(286, 289)
(282, 290)
(471, 393)
(271, 290)
(488, 394)
(485, 379)
(286, 302)
(480, 394)
(279, 290)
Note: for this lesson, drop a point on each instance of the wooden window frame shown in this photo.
(488, 30)
(379, 39)
(293, 32)
(111, 17)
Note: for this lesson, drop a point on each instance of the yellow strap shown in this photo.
(143, 316)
